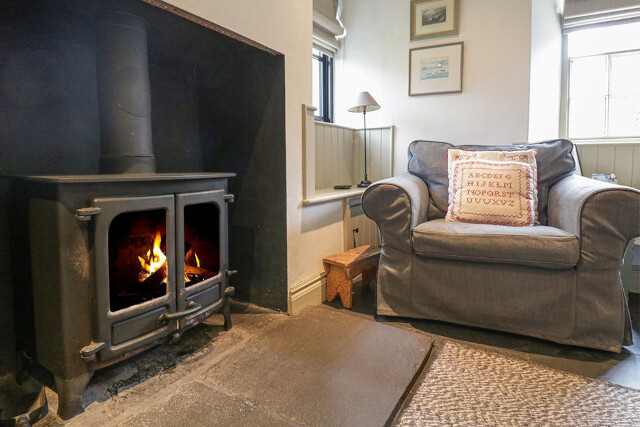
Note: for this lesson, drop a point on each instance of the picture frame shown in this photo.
(434, 18)
(436, 69)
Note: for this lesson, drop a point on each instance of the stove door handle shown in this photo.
(193, 307)
(89, 352)
(85, 214)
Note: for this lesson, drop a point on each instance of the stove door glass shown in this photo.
(137, 258)
(201, 242)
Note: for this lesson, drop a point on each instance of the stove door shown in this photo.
(201, 250)
(134, 244)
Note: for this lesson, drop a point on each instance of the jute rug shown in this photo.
(472, 387)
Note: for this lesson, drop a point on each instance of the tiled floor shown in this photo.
(622, 369)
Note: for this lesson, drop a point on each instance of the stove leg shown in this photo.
(70, 395)
(22, 361)
(226, 312)
(226, 308)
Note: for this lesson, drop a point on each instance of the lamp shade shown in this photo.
(364, 102)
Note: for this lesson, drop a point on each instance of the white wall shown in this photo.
(493, 106)
(286, 26)
(546, 69)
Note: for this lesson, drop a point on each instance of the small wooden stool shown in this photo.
(342, 268)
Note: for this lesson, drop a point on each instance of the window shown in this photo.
(604, 88)
(323, 86)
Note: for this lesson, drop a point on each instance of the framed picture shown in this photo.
(435, 69)
(434, 18)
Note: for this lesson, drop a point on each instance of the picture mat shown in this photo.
(426, 78)
(447, 25)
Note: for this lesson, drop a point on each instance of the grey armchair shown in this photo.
(558, 281)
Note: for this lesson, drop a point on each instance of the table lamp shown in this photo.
(364, 102)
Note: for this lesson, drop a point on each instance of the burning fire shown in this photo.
(190, 253)
(155, 259)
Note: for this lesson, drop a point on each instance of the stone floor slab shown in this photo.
(197, 405)
(325, 367)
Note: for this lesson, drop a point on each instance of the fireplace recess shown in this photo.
(117, 262)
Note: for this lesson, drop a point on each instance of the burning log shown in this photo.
(156, 279)
(196, 274)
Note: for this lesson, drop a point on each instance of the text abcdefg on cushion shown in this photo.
(492, 192)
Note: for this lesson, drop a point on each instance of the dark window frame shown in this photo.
(325, 109)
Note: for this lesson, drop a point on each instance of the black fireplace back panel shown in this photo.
(218, 105)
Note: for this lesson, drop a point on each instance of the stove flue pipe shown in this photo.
(124, 94)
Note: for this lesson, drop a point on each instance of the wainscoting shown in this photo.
(358, 228)
(621, 159)
(340, 154)
(334, 154)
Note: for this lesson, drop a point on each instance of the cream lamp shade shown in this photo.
(364, 102)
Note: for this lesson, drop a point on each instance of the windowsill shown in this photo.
(600, 141)
(329, 195)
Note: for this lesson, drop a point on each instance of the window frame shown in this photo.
(566, 99)
(325, 109)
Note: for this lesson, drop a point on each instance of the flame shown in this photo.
(186, 262)
(156, 259)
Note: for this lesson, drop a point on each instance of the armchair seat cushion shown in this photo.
(538, 246)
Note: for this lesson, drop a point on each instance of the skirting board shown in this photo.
(309, 291)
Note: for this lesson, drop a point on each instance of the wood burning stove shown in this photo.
(119, 263)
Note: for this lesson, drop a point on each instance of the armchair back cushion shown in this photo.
(428, 160)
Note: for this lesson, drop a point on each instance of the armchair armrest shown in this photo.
(604, 216)
(397, 205)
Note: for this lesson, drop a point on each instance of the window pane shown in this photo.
(316, 66)
(588, 77)
(594, 41)
(624, 116)
(625, 74)
(586, 117)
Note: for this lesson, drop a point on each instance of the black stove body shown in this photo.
(117, 264)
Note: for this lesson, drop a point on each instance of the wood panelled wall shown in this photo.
(339, 156)
(380, 154)
(334, 155)
(354, 219)
(621, 159)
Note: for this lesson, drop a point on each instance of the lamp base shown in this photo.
(364, 183)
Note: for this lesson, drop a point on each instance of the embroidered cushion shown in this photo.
(428, 160)
(524, 156)
(492, 192)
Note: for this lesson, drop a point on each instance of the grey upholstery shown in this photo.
(560, 282)
(539, 246)
(605, 217)
(400, 204)
(428, 160)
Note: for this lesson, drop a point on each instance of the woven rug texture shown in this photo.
(466, 386)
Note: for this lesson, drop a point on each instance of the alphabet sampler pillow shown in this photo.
(495, 191)
(524, 156)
